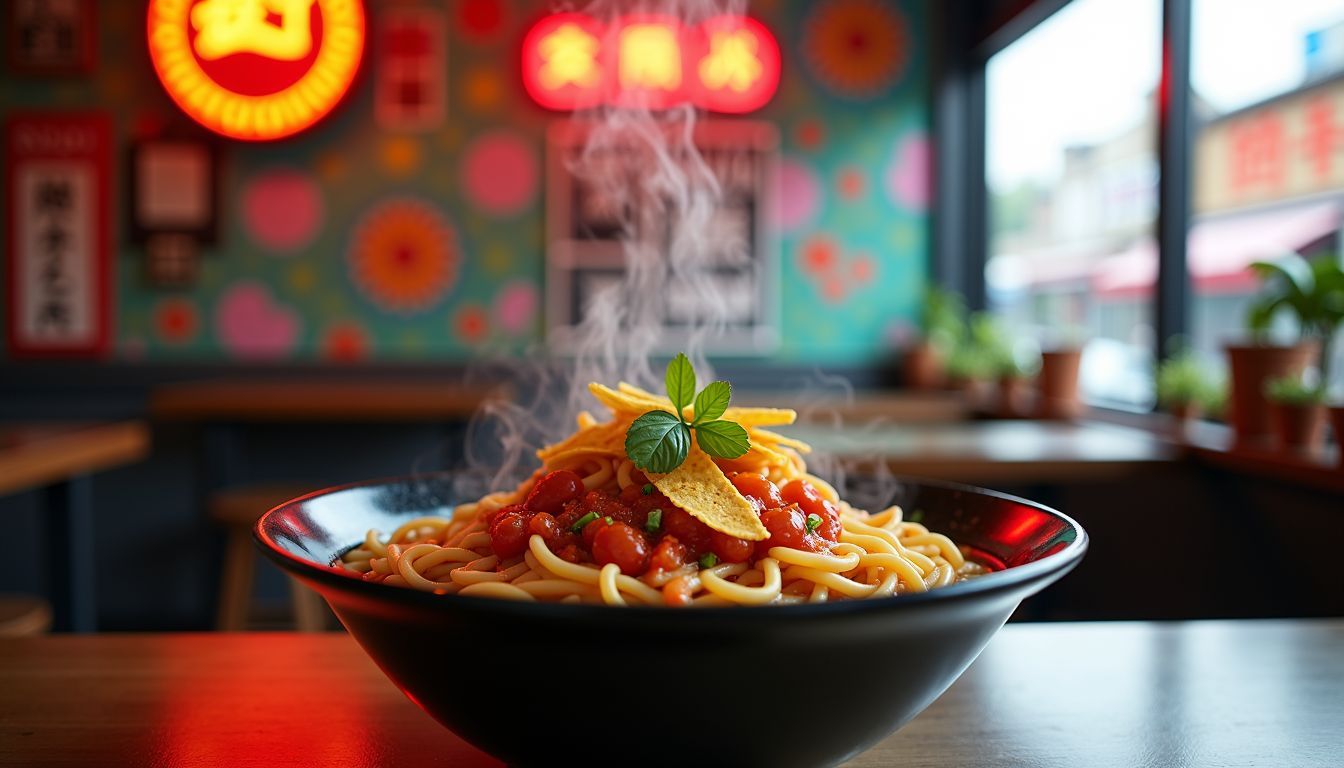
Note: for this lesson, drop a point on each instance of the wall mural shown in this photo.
(353, 242)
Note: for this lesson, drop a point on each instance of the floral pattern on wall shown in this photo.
(303, 268)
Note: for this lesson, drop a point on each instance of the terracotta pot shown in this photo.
(1337, 424)
(1057, 385)
(1299, 427)
(1183, 417)
(1013, 392)
(1251, 368)
(923, 366)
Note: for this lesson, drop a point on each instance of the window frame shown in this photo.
(968, 35)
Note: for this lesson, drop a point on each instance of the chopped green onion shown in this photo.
(655, 521)
(916, 516)
(647, 489)
(709, 560)
(583, 521)
(608, 520)
(813, 522)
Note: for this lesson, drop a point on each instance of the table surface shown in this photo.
(1008, 451)
(1099, 694)
(300, 400)
(33, 455)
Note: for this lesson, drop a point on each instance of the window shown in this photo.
(1267, 85)
(1072, 175)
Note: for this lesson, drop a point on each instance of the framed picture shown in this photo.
(173, 189)
(599, 215)
(58, 252)
(51, 37)
(412, 70)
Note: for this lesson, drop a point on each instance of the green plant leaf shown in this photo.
(724, 439)
(658, 442)
(680, 381)
(712, 401)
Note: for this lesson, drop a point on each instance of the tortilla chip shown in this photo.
(760, 417)
(774, 438)
(584, 451)
(601, 435)
(700, 487)
(624, 402)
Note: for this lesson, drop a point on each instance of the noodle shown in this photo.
(868, 555)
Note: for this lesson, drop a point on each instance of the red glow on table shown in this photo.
(727, 64)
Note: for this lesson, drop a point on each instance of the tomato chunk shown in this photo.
(552, 492)
(620, 544)
(762, 493)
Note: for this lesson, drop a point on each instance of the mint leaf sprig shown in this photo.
(659, 441)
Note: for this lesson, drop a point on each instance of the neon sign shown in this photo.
(256, 69)
(723, 64)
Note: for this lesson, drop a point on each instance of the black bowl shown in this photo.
(550, 684)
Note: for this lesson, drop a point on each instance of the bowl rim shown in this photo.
(1047, 568)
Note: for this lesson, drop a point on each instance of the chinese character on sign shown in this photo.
(570, 57)
(276, 29)
(650, 57)
(1320, 132)
(52, 200)
(731, 62)
(1258, 153)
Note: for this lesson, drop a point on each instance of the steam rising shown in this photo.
(649, 158)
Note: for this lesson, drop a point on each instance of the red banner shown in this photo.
(58, 254)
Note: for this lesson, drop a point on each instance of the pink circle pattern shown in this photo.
(282, 210)
(500, 174)
(516, 307)
(799, 196)
(909, 173)
(252, 325)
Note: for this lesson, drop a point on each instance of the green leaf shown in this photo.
(657, 442)
(680, 381)
(724, 439)
(712, 401)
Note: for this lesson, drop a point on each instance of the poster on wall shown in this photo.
(412, 70)
(592, 226)
(57, 219)
(51, 36)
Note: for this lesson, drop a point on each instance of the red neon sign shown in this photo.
(724, 64)
(256, 69)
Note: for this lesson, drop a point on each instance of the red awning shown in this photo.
(1220, 251)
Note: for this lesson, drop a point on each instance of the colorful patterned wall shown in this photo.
(304, 267)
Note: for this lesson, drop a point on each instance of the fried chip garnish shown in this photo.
(760, 417)
(774, 438)
(700, 487)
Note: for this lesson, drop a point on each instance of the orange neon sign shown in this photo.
(256, 69)
(723, 64)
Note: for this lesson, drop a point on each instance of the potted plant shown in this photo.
(1297, 413)
(1313, 291)
(992, 345)
(1184, 387)
(943, 319)
(1057, 383)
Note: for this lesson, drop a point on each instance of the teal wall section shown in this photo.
(854, 225)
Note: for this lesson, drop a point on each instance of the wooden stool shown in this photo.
(24, 616)
(237, 509)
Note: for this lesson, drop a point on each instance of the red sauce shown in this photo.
(641, 530)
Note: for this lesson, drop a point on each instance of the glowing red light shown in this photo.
(725, 64)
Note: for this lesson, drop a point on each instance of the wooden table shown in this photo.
(225, 407)
(321, 400)
(57, 458)
(1012, 452)
(1202, 693)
